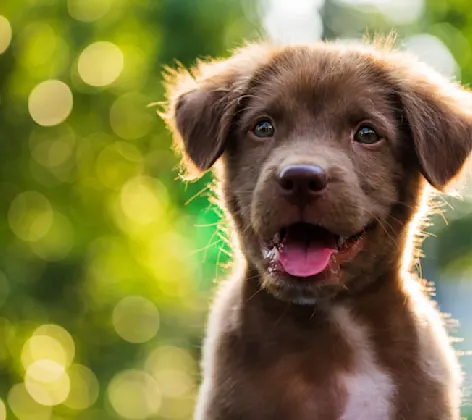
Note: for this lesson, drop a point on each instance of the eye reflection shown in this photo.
(264, 128)
(366, 135)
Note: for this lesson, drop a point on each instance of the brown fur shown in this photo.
(267, 355)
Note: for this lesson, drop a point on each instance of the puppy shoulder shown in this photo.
(224, 317)
(438, 358)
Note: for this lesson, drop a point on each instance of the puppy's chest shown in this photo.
(333, 391)
(369, 387)
(365, 393)
(369, 393)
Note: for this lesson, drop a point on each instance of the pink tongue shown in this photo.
(304, 260)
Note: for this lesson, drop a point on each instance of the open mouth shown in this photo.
(304, 250)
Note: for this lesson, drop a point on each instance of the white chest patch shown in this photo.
(369, 389)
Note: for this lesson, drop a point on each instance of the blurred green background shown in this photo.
(107, 262)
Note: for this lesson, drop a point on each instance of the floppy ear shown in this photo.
(439, 116)
(202, 103)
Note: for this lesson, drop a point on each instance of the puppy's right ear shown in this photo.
(437, 113)
(202, 103)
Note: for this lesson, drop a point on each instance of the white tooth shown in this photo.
(276, 237)
(271, 253)
(341, 241)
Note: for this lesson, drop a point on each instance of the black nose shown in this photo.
(302, 182)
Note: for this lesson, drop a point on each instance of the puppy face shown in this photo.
(314, 166)
(324, 150)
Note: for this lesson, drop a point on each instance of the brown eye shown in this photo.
(366, 135)
(264, 129)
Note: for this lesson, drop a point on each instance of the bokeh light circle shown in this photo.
(61, 335)
(139, 200)
(130, 117)
(48, 342)
(100, 64)
(134, 395)
(117, 163)
(88, 10)
(84, 388)
(45, 370)
(170, 357)
(136, 319)
(52, 147)
(174, 383)
(5, 34)
(30, 216)
(58, 242)
(40, 347)
(432, 51)
(45, 357)
(292, 22)
(41, 49)
(24, 407)
(50, 102)
(47, 382)
(176, 373)
(3, 410)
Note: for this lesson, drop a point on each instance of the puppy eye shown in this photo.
(366, 135)
(264, 129)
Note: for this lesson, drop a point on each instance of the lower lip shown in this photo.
(351, 251)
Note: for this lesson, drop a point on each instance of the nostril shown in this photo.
(319, 180)
(313, 185)
(286, 184)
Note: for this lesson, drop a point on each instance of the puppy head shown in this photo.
(324, 152)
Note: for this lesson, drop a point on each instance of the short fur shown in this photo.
(371, 346)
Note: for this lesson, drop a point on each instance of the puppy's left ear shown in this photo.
(202, 104)
(439, 117)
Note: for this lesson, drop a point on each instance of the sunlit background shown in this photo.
(107, 262)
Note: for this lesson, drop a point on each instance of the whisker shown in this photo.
(205, 188)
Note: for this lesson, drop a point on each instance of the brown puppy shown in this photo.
(323, 154)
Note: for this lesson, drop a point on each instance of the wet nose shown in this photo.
(301, 183)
